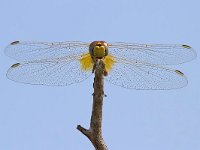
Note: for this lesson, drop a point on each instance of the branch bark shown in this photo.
(94, 133)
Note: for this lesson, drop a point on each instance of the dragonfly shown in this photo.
(129, 65)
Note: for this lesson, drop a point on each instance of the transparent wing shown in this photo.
(136, 75)
(51, 73)
(165, 54)
(29, 51)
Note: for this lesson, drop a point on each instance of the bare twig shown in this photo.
(94, 133)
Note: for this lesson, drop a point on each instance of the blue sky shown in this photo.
(45, 118)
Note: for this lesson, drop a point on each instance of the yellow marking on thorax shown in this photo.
(99, 51)
(109, 62)
(86, 62)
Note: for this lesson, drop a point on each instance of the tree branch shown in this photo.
(94, 133)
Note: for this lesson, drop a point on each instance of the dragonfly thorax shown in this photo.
(98, 49)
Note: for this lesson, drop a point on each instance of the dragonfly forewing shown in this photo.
(163, 54)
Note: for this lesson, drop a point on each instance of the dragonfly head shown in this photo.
(98, 49)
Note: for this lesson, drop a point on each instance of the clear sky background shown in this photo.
(45, 118)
